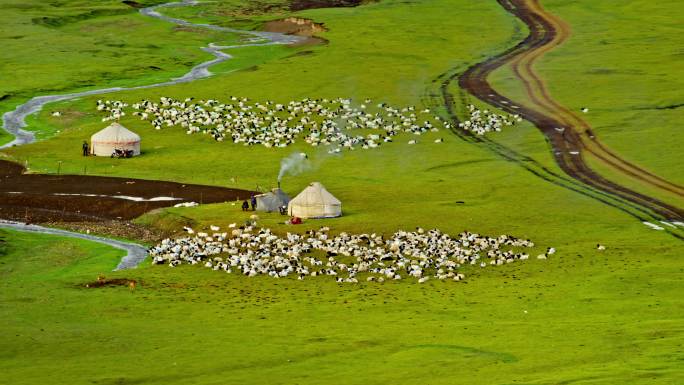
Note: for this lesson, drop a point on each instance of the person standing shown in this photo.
(86, 148)
(253, 202)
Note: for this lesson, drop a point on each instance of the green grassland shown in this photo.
(602, 318)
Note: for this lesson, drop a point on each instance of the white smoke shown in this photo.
(294, 164)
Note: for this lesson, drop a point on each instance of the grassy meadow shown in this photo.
(581, 317)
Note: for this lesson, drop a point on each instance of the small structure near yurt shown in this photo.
(115, 137)
(315, 202)
(272, 201)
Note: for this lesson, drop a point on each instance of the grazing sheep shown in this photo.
(276, 125)
(421, 254)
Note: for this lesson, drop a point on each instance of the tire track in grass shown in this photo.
(566, 147)
(538, 92)
(443, 97)
(567, 144)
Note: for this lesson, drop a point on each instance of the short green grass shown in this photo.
(584, 316)
(603, 318)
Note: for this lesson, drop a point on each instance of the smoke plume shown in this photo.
(294, 164)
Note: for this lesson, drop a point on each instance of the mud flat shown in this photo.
(79, 198)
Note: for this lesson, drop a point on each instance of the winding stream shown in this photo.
(14, 122)
(135, 253)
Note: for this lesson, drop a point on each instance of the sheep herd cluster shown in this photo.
(328, 122)
(482, 121)
(336, 123)
(346, 257)
(113, 108)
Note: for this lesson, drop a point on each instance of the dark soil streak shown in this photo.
(527, 163)
(670, 107)
(35, 197)
(301, 5)
(110, 282)
(442, 96)
(538, 92)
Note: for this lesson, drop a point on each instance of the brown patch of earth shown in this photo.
(295, 26)
(299, 27)
(103, 282)
(43, 198)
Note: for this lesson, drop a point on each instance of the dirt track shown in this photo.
(77, 198)
(538, 93)
(547, 32)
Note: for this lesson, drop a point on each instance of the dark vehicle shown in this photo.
(122, 153)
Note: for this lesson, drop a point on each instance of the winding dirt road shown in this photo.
(559, 31)
(569, 136)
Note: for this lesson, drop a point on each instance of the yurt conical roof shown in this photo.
(315, 202)
(115, 133)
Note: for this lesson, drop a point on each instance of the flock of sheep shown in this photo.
(336, 123)
(321, 121)
(482, 121)
(420, 254)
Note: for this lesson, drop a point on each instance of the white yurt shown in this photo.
(315, 202)
(272, 200)
(114, 136)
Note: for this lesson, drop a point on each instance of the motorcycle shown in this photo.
(119, 153)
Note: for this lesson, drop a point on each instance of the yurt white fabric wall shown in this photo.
(114, 136)
(315, 202)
